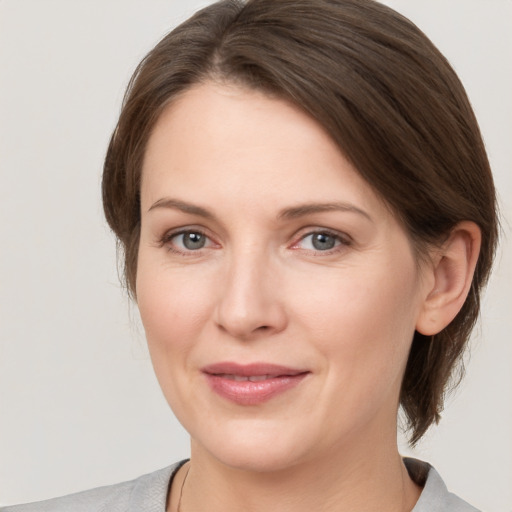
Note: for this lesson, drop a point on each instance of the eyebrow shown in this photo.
(293, 212)
(176, 204)
(311, 208)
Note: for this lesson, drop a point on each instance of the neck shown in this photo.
(351, 481)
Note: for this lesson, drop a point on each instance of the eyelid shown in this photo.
(166, 238)
(344, 239)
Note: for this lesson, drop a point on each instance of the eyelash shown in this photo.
(166, 241)
(342, 241)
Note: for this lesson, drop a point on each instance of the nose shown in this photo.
(250, 303)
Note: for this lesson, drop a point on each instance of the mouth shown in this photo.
(242, 378)
(251, 384)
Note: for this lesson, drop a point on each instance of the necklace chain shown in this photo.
(178, 509)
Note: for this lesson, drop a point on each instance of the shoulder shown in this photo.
(435, 496)
(148, 493)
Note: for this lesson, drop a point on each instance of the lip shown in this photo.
(251, 384)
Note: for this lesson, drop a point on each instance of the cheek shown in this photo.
(362, 320)
(173, 310)
(172, 307)
(362, 327)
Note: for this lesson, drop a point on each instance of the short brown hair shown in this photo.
(384, 93)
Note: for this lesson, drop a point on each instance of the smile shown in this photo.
(251, 384)
(252, 378)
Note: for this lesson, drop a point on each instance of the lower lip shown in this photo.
(252, 393)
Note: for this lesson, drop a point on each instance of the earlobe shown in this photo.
(452, 270)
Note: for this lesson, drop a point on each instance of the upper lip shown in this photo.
(250, 370)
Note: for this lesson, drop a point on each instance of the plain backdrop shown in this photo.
(79, 405)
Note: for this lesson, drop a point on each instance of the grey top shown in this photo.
(148, 493)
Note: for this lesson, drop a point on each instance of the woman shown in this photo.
(307, 216)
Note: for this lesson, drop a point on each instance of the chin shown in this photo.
(260, 450)
(256, 460)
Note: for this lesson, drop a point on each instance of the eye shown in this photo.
(321, 241)
(184, 241)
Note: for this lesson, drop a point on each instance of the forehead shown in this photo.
(233, 142)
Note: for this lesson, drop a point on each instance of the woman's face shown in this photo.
(278, 293)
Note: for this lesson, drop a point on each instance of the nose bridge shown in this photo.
(249, 301)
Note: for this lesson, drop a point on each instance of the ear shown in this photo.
(450, 277)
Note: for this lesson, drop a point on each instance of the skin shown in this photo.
(260, 291)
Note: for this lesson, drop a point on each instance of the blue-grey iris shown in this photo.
(193, 240)
(323, 241)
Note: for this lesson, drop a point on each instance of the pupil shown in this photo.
(193, 240)
(323, 242)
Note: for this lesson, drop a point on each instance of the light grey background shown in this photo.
(79, 405)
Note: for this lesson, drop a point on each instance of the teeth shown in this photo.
(252, 378)
(257, 378)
